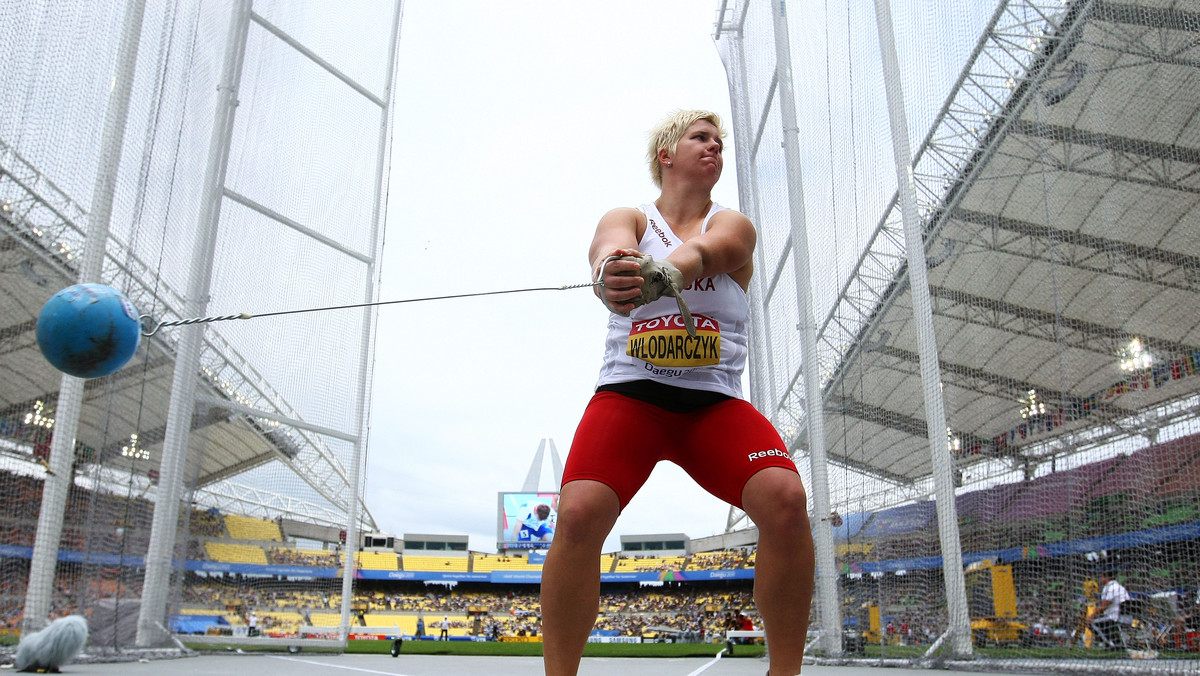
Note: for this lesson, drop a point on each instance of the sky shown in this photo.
(518, 125)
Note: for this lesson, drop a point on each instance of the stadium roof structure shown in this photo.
(244, 423)
(1065, 224)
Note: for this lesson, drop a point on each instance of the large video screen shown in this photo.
(526, 520)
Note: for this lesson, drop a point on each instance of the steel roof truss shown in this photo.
(1080, 251)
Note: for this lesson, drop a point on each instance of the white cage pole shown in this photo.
(959, 629)
(151, 628)
(761, 366)
(70, 394)
(828, 601)
(358, 463)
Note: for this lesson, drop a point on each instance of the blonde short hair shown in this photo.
(666, 134)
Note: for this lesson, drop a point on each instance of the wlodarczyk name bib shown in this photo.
(663, 341)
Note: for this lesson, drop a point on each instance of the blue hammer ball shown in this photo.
(88, 330)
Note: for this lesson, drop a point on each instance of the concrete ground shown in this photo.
(443, 665)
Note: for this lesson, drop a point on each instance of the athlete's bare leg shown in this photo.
(783, 572)
(587, 511)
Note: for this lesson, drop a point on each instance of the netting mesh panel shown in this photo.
(1055, 153)
(276, 430)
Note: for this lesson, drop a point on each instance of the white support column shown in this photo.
(828, 601)
(152, 617)
(366, 354)
(70, 394)
(745, 127)
(762, 370)
(931, 378)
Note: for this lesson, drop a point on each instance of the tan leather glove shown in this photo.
(661, 278)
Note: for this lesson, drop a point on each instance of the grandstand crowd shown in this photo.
(1154, 491)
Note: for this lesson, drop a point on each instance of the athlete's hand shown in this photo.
(620, 280)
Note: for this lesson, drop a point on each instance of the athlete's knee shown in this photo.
(586, 513)
(775, 498)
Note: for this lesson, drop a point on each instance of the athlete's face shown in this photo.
(700, 150)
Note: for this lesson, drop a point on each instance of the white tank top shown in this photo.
(652, 344)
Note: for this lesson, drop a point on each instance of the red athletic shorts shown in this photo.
(621, 439)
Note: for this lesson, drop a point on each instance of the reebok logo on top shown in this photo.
(658, 231)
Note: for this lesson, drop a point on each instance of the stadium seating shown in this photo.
(986, 504)
(207, 523)
(316, 558)
(284, 622)
(377, 560)
(608, 562)
(719, 560)
(1155, 465)
(229, 552)
(1057, 493)
(900, 520)
(649, 563)
(248, 528)
(200, 611)
(485, 563)
(325, 619)
(436, 563)
(406, 621)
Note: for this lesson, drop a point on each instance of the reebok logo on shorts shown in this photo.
(768, 453)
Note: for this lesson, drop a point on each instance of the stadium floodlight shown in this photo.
(1032, 406)
(39, 416)
(1135, 356)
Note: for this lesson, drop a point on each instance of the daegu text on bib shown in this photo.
(663, 341)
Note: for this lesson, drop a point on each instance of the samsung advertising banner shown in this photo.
(526, 520)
